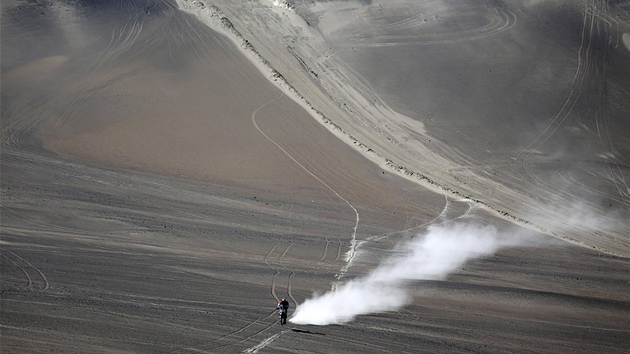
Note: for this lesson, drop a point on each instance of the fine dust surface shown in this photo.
(160, 192)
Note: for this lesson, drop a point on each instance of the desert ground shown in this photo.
(171, 169)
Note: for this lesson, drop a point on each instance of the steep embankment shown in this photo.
(296, 57)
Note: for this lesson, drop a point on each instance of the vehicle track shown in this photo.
(325, 253)
(265, 342)
(46, 283)
(275, 274)
(291, 275)
(582, 71)
(220, 342)
(612, 169)
(592, 62)
(29, 281)
(27, 114)
(499, 20)
(289, 286)
(598, 46)
(246, 338)
(353, 243)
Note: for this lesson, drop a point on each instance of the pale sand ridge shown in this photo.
(365, 133)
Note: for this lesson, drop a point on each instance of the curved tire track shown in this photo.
(29, 281)
(499, 20)
(265, 343)
(353, 243)
(291, 275)
(276, 272)
(219, 342)
(46, 283)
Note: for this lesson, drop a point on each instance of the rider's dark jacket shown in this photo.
(283, 306)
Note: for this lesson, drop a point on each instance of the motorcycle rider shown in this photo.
(283, 307)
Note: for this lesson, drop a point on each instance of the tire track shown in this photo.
(331, 249)
(25, 115)
(584, 70)
(340, 245)
(219, 342)
(597, 47)
(353, 243)
(325, 253)
(612, 169)
(264, 343)
(29, 281)
(290, 278)
(46, 283)
(566, 107)
(274, 280)
(275, 274)
(246, 327)
(43, 226)
(499, 20)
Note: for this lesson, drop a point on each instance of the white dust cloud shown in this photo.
(431, 256)
(626, 40)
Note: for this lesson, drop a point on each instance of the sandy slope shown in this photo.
(495, 136)
(160, 192)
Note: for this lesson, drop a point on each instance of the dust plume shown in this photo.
(430, 256)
